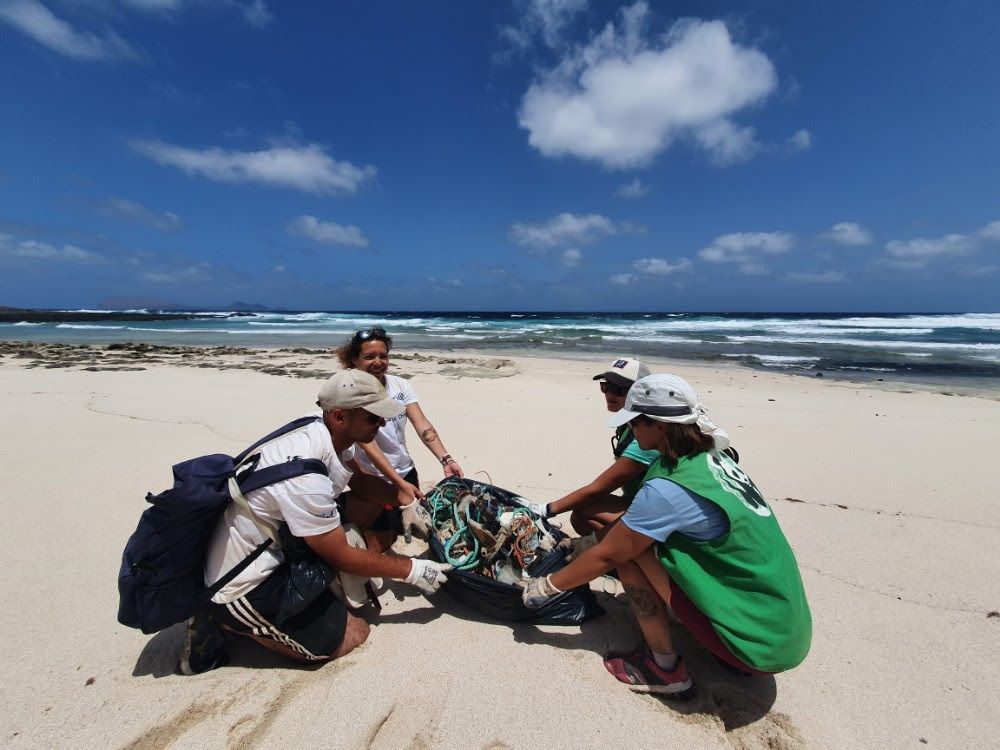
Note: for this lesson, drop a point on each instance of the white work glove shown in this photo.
(415, 518)
(537, 591)
(539, 509)
(427, 575)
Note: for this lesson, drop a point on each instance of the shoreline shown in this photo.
(467, 362)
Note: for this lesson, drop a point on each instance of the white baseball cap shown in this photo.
(668, 398)
(624, 371)
(357, 389)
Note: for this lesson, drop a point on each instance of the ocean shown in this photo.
(945, 347)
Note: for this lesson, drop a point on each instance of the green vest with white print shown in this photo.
(746, 582)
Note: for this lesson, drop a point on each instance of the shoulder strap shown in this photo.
(290, 427)
(625, 439)
(268, 476)
(242, 565)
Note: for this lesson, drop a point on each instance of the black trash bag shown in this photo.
(309, 575)
(502, 601)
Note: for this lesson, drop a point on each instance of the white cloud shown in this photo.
(571, 258)
(726, 143)
(278, 269)
(34, 250)
(196, 272)
(302, 167)
(326, 232)
(917, 253)
(622, 99)
(746, 247)
(800, 140)
(447, 283)
(543, 19)
(991, 231)
(254, 12)
(565, 229)
(848, 233)
(754, 269)
(817, 277)
(121, 208)
(623, 279)
(661, 266)
(634, 189)
(38, 22)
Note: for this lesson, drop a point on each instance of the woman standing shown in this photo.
(387, 456)
(700, 537)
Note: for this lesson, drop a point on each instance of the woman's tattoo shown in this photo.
(645, 603)
(429, 435)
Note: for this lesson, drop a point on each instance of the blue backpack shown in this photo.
(162, 578)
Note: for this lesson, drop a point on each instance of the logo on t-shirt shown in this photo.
(736, 482)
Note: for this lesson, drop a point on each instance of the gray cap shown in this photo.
(357, 389)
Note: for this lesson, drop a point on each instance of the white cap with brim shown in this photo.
(624, 371)
(668, 398)
(357, 389)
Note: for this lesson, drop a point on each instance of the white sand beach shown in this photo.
(889, 500)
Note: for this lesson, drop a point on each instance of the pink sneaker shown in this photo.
(640, 672)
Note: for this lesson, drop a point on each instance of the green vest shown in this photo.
(747, 581)
(625, 438)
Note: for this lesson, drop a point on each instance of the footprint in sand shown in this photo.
(742, 720)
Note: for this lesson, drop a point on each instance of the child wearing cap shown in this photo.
(698, 537)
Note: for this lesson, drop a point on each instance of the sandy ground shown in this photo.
(889, 499)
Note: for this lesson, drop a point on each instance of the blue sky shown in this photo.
(541, 155)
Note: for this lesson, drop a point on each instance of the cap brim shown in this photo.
(387, 408)
(621, 417)
(599, 377)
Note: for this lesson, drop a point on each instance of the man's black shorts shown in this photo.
(316, 632)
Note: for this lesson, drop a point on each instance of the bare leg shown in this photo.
(355, 634)
(649, 608)
(596, 514)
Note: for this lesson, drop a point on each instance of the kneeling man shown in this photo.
(260, 603)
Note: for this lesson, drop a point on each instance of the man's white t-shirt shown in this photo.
(306, 503)
(392, 437)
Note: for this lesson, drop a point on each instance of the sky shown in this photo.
(568, 155)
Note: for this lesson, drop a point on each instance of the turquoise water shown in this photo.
(950, 345)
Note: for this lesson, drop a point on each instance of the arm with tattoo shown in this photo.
(430, 438)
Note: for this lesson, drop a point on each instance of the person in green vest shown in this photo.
(698, 537)
(595, 505)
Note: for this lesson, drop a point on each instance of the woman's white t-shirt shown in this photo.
(392, 437)
(308, 504)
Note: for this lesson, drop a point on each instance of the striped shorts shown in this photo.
(316, 632)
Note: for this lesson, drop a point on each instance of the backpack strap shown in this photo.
(254, 481)
(280, 472)
(290, 427)
(242, 565)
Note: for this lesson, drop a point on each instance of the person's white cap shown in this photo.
(357, 389)
(668, 398)
(624, 371)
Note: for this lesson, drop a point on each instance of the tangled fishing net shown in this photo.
(483, 531)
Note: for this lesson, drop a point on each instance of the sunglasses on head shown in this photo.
(614, 390)
(364, 335)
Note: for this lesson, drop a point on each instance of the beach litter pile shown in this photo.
(495, 545)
